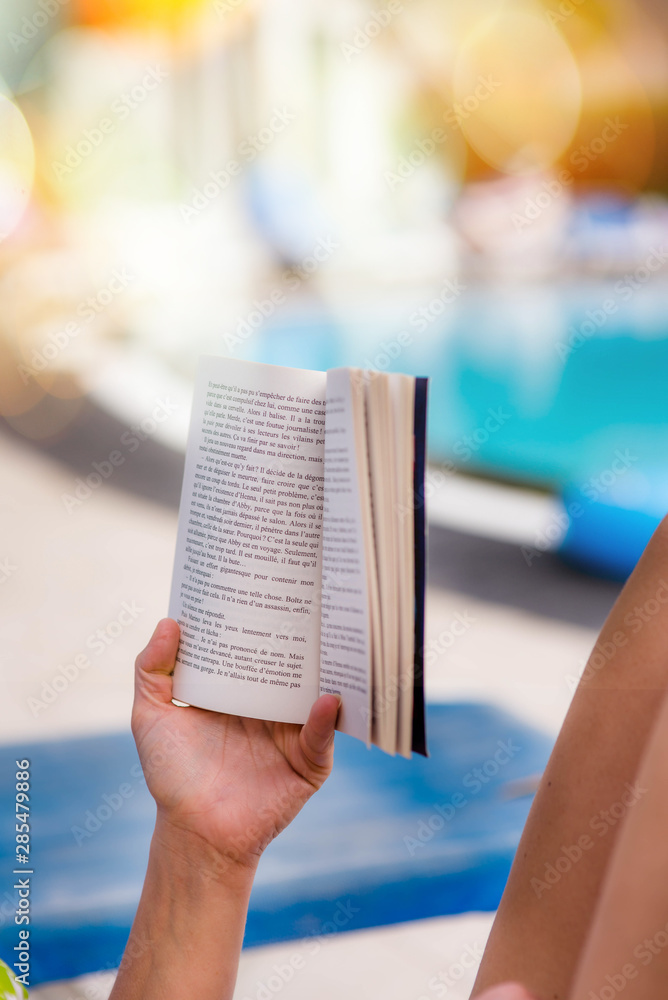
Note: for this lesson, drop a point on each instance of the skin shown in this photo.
(627, 948)
(507, 991)
(559, 939)
(224, 788)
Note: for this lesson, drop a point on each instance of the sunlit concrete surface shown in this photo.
(73, 576)
(422, 960)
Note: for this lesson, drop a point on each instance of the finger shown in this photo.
(317, 736)
(154, 665)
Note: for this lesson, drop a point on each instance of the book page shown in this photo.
(381, 443)
(348, 572)
(402, 388)
(247, 567)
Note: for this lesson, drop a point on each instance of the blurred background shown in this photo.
(475, 192)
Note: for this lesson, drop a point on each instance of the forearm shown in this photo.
(187, 934)
(549, 903)
(626, 948)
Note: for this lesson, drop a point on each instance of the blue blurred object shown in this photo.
(386, 840)
(609, 526)
(603, 227)
(534, 384)
(286, 212)
(569, 392)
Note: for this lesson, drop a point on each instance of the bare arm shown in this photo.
(224, 787)
(187, 934)
(589, 786)
(627, 948)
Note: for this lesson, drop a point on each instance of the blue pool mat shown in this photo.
(612, 519)
(381, 843)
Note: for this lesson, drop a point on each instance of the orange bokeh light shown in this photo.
(150, 12)
(518, 92)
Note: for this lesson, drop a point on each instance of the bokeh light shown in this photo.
(612, 92)
(153, 12)
(518, 89)
(17, 165)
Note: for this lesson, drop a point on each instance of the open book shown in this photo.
(300, 562)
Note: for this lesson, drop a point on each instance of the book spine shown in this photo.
(419, 744)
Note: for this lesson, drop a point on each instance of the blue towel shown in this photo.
(386, 839)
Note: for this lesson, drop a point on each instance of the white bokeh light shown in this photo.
(17, 165)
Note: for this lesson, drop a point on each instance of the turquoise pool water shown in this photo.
(542, 384)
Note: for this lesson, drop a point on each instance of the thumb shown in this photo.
(154, 665)
(317, 736)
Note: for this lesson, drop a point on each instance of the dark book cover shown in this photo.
(420, 527)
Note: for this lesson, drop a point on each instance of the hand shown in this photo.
(226, 783)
